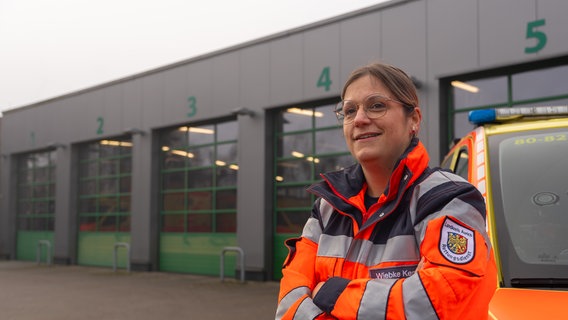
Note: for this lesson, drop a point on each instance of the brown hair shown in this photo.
(396, 80)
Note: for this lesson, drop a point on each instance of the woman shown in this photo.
(389, 237)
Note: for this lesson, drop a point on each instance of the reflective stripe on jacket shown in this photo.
(370, 265)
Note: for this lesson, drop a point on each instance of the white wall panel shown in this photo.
(69, 128)
(286, 70)
(254, 78)
(225, 83)
(29, 130)
(61, 130)
(153, 100)
(403, 32)
(452, 36)
(132, 104)
(112, 99)
(39, 129)
(359, 44)
(49, 125)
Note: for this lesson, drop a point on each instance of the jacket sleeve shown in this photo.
(298, 274)
(456, 279)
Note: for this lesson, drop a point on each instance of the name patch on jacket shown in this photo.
(457, 243)
(393, 272)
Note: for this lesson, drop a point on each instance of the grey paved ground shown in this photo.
(30, 291)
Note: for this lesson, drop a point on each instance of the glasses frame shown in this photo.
(341, 117)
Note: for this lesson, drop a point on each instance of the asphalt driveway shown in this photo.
(31, 291)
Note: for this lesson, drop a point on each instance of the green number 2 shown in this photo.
(325, 79)
(538, 35)
(101, 122)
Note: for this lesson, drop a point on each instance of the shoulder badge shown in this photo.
(457, 243)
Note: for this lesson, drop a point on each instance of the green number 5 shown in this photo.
(538, 35)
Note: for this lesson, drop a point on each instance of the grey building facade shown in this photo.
(215, 151)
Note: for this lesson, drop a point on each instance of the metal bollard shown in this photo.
(242, 260)
(114, 261)
(47, 245)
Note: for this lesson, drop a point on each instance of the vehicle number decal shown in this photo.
(541, 139)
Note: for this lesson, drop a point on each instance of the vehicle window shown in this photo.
(447, 163)
(529, 191)
(534, 190)
(462, 163)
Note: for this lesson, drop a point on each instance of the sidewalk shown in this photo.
(30, 291)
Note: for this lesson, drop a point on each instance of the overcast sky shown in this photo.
(53, 47)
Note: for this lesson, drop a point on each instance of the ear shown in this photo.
(416, 119)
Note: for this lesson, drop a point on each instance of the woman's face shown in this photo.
(378, 141)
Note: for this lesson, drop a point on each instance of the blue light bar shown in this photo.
(478, 117)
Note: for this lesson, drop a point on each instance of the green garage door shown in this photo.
(104, 201)
(35, 205)
(309, 141)
(198, 198)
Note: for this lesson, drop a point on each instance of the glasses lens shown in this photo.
(376, 106)
(348, 110)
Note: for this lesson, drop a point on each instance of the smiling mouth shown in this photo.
(367, 135)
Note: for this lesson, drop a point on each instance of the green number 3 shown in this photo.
(538, 35)
(192, 106)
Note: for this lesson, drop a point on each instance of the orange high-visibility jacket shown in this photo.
(369, 265)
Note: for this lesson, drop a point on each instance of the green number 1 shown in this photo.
(325, 79)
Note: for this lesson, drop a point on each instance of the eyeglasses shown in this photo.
(374, 106)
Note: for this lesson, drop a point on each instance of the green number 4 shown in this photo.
(325, 79)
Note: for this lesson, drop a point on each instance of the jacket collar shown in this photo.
(342, 187)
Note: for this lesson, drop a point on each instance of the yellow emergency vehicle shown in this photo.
(518, 159)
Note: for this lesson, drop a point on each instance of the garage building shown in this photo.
(179, 163)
